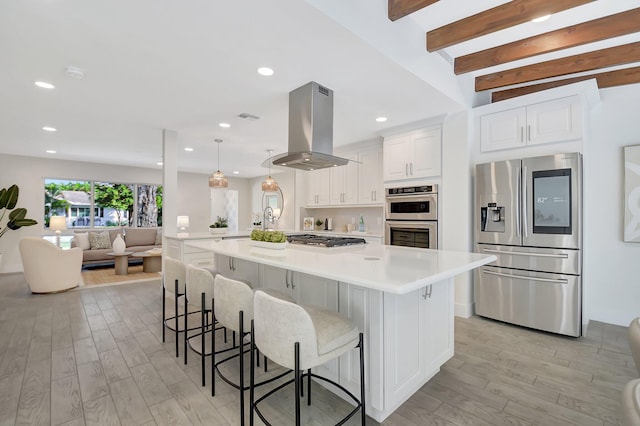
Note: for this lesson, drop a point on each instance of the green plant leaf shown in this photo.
(17, 214)
(9, 197)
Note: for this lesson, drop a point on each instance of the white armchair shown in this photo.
(47, 268)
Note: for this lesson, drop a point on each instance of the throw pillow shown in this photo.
(82, 240)
(158, 237)
(99, 240)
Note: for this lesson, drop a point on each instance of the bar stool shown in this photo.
(634, 341)
(233, 310)
(174, 277)
(631, 403)
(199, 292)
(300, 338)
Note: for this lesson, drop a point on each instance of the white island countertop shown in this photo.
(391, 269)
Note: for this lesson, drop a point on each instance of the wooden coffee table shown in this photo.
(151, 262)
(121, 262)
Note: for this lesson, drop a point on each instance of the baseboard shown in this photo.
(464, 310)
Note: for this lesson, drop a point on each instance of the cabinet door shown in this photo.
(246, 271)
(223, 265)
(425, 159)
(396, 158)
(438, 319)
(502, 130)
(323, 177)
(344, 182)
(337, 185)
(275, 279)
(554, 121)
(316, 291)
(404, 344)
(370, 189)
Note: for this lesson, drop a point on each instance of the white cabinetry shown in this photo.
(558, 120)
(319, 184)
(427, 313)
(370, 190)
(344, 182)
(359, 182)
(413, 155)
(177, 249)
(238, 269)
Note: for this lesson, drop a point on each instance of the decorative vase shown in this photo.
(118, 245)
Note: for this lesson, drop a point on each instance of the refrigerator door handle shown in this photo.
(524, 202)
(519, 204)
(518, 253)
(545, 280)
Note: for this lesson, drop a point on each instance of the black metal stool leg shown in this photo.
(362, 397)
(241, 355)
(203, 321)
(164, 309)
(252, 376)
(309, 387)
(297, 380)
(186, 307)
(213, 350)
(175, 298)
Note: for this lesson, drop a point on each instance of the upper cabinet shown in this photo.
(359, 182)
(413, 155)
(559, 120)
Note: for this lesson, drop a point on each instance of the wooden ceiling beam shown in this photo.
(627, 22)
(401, 8)
(498, 18)
(619, 55)
(605, 79)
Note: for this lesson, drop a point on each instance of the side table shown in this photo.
(121, 262)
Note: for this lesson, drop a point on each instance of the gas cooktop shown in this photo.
(325, 241)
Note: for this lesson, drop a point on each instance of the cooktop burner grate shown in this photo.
(326, 241)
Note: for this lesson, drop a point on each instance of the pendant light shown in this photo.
(269, 184)
(217, 179)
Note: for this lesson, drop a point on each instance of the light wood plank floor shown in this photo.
(94, 356)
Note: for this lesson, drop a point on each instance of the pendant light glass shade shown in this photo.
(269, 184)
(217, 179)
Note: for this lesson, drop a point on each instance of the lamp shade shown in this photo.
(183, 222)
(58, 223)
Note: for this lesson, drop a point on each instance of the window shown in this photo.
(102, 204)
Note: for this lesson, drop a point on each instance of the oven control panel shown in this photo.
(412, 190)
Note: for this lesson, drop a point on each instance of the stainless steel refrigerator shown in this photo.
(528, 212)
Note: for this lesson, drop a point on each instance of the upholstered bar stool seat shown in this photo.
(199, 294)
(233, 310)
(631, 403)
(300, 338)
(634, 341)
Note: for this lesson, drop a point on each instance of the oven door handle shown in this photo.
(519, 253)
(544, 280)
(426, 224)
(426, 197)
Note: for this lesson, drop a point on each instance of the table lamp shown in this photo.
(58, 224)
(183, 223)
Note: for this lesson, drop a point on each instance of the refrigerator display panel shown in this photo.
(552, 201)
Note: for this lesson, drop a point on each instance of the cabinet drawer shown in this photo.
(199, 259)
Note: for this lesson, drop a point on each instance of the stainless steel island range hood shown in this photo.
(310, 129)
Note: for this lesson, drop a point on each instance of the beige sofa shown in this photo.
(136, 240)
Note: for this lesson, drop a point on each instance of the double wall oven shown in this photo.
(411, 216)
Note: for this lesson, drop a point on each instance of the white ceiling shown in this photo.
(186, 66)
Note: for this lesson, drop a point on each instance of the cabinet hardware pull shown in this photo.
(519, 253)
(525, 207)
(544, 280)
(286, 278)
(293, 286)
(521, 133)
(529, 132)
(427, 291)
(406, 169)
(519, 201)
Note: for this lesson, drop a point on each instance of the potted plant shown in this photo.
(319, 224)
(219, 226)
(17, 216)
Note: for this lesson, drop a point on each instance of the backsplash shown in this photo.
(341, 217)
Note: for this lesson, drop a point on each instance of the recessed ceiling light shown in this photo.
(225, 125)
(266, 71)
(235, 172)
(50, 151)
(49, 129)
(381, 119)
(541, 18)
(159, 163)
(44, 85)
(188, 149)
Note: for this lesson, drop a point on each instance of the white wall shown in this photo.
(611, 266)
(455, 198)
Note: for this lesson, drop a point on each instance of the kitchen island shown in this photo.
(400, 297)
